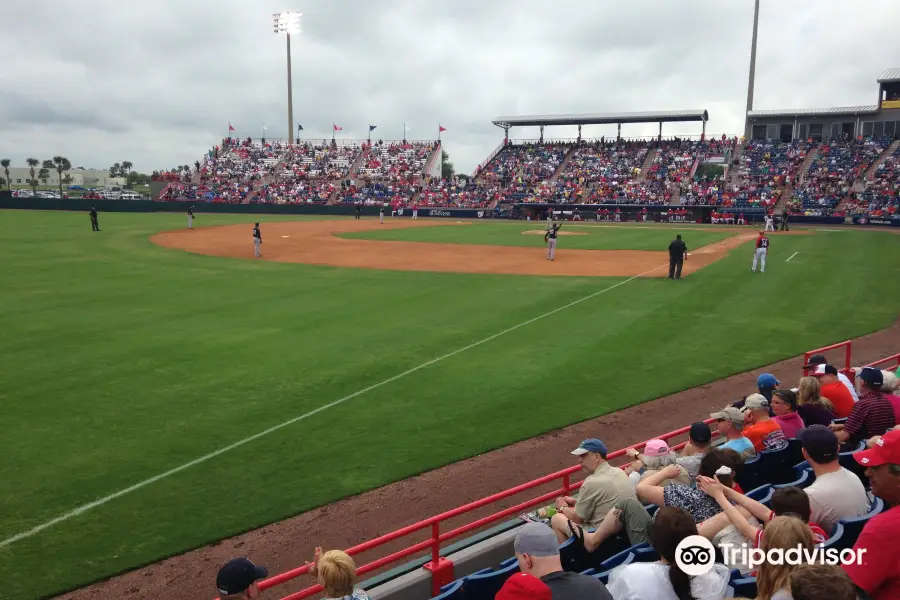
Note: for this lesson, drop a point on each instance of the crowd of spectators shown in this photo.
(520, 168)
(442, 193)
(831, 176)
(396, 162)
(881, 197)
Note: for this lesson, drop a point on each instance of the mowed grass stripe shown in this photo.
(218, 356)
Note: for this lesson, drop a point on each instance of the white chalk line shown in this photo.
(101, 501)
(792, 256)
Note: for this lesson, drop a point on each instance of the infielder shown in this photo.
(381, 214)
(257, 241)
(415, 212)
(550, 238)
(762, 248)
(770, 223)
(191, 217)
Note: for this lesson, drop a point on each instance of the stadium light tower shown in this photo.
(752, 79)
(288, 23)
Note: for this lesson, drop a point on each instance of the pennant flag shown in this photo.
(372, 127)
(440, 129)
(338, 127)
(230, 128)
(299, 127)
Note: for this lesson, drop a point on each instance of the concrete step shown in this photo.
(648, 162)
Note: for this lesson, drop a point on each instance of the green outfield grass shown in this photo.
(121, 360)
(591, 236)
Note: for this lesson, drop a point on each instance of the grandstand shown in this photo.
(476, 568)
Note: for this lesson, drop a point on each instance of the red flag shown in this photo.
(441, 129)
(230, 128)
(338, 128)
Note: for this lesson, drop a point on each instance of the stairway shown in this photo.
(734, 172)
(564, 163)
(888, 152)
(648, 162)
(807, 163)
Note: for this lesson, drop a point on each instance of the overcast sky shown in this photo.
(156, 82)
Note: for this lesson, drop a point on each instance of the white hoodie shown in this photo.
(650, 581)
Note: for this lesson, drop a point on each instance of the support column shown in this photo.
(619, 135)
(542, 134)
(752, 78)
(579, 133)
(703, 135)
(290, 91)
(506, 134)
(660, 131)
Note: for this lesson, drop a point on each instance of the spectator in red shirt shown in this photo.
(879, 572)
(834, 390)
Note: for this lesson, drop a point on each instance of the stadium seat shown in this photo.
(839, 421)
(604, 576)
(853, 527)
(451, 591)
(622, 558)
(803, 480)
(774, 466)
(484, 585)
(795, 451)
(651, 509)
(836, 540)
(759, 493)
(645, 553)
(847, 461)
(744, 588)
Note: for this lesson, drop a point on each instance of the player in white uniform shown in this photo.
(762, 248)
(770, 223)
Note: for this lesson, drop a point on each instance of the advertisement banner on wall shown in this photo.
(892, 222)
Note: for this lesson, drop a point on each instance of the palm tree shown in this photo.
(33, 163)
(5, 164)
(62, 164)
(125, 168)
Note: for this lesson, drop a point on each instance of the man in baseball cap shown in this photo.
(537, 553)
(766, 384)
(730, 424)
(819, 359)
(872, 415)
(877, 571)
(830, 387)
(699, 438)
(604, 488)
(237, 579)
(760, 428)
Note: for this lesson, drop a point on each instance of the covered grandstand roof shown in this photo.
(890, 76)
(835, 111)
(664, 116)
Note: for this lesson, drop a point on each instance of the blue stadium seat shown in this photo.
(774, 466)
(847, 461)
(645, 554)
(836, 539)
(839, 421)
(744, 588)
(803, 480)
(604, 576)
(795, 449)
(451, 591)
(853, 527)
(759, 493)
(622, 558)
(651, 509)
(748, 476)
(485, 585)
(729, 592)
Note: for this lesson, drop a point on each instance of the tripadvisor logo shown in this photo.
(695, 555)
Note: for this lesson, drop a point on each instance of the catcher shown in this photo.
(550, 240)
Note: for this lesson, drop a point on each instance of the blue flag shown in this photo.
(372, 127)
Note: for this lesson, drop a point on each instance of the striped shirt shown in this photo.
(872, 415)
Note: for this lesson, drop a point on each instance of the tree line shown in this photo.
(39, 170)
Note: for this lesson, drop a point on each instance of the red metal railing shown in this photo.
(440, 568)
(890, 362)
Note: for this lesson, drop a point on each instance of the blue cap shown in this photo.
(591, 445)
(766, 380)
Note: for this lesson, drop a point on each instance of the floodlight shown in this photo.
(286, 22)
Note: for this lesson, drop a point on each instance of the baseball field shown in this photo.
(156, 399)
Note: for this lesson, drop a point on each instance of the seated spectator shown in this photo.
(872, 415)
(537, 553)
(238, 579)
(784, 405)
(815, 582)
(836, 493)
(819, 359)
(773, 581)
(335, 571)
(762, 430)
(836, 392)
(730, 424)
(604, 488)
(699, 439)
(766, 384)
(811, 406)
(663, 580)
(522, 586)
(785, 501)
(655, 456)
(879, 573)
(698, 504)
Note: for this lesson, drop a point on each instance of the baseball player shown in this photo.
(257, 240)
(677, 255)
(770, 223)
(550, 238)
(191, 217)
(415, 212)
(358, 210)
(618, 215)
(95, 224)
(381, 213)
(762, 248)
(784, 220)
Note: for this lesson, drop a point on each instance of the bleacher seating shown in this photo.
(523, 166)
(396, 162)
(441, 193)
(881, 197)
(766, 167)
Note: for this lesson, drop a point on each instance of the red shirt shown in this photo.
(840, 397)
(879, 573)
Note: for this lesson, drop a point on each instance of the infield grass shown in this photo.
(120, 360)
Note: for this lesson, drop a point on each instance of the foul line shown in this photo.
(100, 502)
(792, 256)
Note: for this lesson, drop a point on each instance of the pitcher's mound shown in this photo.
(542, 232)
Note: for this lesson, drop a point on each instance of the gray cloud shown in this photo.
(157, 82)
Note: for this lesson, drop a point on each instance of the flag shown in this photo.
(265, 128)
(338, 127)
(372, 127)
(230, 128)
(299, 127)
(440, 129)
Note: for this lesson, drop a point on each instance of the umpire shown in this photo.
(677, 254)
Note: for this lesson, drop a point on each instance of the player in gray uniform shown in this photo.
(551, 240)
(257, 240)
(191, 217)
(381, 214)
